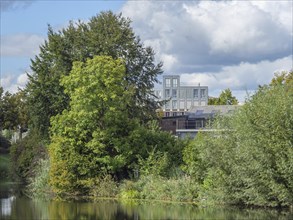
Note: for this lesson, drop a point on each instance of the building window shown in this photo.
(188, 105)
(167, 93)
(189, 93)
(175, 82)
(167, 105)
(174, 93)
(182, 104)
(174, 114)
(168, 82)
(202, 93)
(182, 93)
(167, 114)
(195, 93)
(174, 104)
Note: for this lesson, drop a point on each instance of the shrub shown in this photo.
(39, 184)
(104, 186)
(25, 154)
(249, 159)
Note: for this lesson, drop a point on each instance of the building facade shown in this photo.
(197, 119)
(181, 98)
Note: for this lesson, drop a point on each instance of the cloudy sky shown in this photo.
(221, 44)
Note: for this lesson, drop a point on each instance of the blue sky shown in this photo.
(221, 44)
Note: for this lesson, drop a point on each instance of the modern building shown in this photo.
(179, 98)
(196, 119)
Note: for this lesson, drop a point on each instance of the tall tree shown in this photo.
(13, 112)
(225, 98)
(105, 34)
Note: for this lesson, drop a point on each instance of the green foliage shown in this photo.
(106, 34)
(39, 184)
(102, 187)
(97, 135)
(13, 111)
(4, 144)
(157, 163)
(89, 139)
(156, 152)
(4, 167)
(160, 188)
(25, 155)
(225, 98)
(249, 159)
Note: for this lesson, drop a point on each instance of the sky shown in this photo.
(219, 44)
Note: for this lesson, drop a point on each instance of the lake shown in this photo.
(15, 205)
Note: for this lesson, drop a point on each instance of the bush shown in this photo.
(249, 159)
(104, 186)
(39, 184)
(25, 155)
(159, 188)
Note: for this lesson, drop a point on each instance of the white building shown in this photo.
(180, 98)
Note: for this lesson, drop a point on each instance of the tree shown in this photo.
(249, 159)
(14, 114)
(282, 78)
(225, 98)
(97, 135)
(89, 138)
(105, 34)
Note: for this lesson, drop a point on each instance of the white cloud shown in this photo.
(22, 80)
(222, 44)
(20, 45)
(211, 34)
(12, 83)
(240, 78)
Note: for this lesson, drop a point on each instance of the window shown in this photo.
(189, 93)
(168, 82)
(182, 93)
(188, 105)
(167, 105)
(175, 82)
(182, 104)
(174, 104)
(202, 93)
(167, 114)
(167, 93)
(174, 114)
(174, 93)
(195, 93)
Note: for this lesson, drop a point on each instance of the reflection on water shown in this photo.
(20, 207)
(6, 204)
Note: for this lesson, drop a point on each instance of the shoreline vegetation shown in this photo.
(94, 130)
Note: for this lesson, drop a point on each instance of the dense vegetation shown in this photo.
(106, 34)
(93, 128)
(249, 159)
(225, 98)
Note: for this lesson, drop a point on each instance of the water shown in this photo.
(15, 205)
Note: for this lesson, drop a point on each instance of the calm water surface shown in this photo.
(15, 205)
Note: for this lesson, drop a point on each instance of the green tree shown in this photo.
(225, 98)
(88, 139)
(249, 159)
(105, 34)
(14, 113)
(282, 78)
